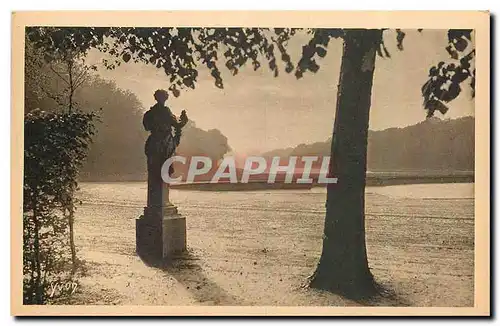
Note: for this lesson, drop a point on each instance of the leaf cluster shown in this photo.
(445, 79)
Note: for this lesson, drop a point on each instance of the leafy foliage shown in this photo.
(54, 149)
(445, 79)
(40, 88)
(180, 52)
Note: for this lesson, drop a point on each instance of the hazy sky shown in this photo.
(258, 112)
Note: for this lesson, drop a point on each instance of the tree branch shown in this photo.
(58, 74)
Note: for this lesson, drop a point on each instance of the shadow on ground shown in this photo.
(187, 271)
(385, 297)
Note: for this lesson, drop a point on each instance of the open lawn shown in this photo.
(258, 248)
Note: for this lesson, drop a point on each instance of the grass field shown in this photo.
(258, 248)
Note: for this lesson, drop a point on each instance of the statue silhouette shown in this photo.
(165, 129)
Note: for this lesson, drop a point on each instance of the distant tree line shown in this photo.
(433, 144)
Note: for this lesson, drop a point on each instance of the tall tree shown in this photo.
(74, 74)
(52, 79)
(343, 265)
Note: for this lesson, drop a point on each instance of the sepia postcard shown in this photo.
(250, 163)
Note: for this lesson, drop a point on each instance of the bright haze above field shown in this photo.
(258, 112)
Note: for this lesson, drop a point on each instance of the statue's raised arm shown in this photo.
(183, 119)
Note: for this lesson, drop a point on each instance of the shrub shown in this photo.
(55, 146)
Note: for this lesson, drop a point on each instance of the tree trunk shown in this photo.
(71, 85)
(38, 288)
(71, 222)
(343, 266)
(28, 248)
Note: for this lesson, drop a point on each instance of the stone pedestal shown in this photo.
(161, 232)
(174, 236)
